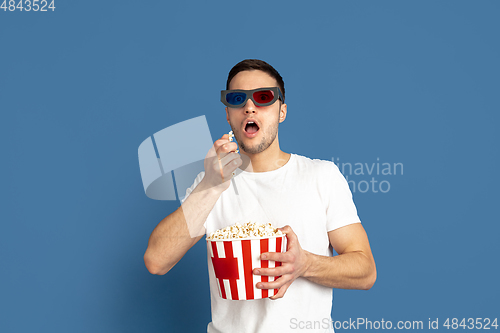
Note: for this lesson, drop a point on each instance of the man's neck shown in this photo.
(270, 159)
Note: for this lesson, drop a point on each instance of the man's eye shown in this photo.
(236, 98)
(264, 96)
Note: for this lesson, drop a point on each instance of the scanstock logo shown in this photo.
(171, 159)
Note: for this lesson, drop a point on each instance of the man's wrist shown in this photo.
(209, 189)
(310, 261)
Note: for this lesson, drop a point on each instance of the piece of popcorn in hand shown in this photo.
(231, 137)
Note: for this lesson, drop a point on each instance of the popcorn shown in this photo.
(231, 137)
(247, 230)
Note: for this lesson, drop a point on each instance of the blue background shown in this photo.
(411, 82)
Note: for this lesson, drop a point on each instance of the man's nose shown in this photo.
(250, 107)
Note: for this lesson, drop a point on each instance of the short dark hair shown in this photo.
(256, 64)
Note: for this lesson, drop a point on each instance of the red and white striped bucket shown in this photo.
(233, 261)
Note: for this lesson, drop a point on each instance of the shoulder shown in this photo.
(316, 165)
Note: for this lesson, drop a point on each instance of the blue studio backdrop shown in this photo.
(402, 95)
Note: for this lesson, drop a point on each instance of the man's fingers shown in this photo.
(287, 230)
(226, 164)
(229, 163)
(226, 148)
(291, 237)
(228, 158)
(273, 271)
(219, 147)
(220, 162)
(217, 144)
(224, 139)
(276, 284)
(275, 256)
(281, 291)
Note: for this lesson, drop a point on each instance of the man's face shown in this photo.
(254, 139)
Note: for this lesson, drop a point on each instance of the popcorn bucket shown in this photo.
(233, 261)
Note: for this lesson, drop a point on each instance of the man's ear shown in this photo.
(282, 113)
(227, 116)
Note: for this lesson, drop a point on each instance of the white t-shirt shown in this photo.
(312, 197)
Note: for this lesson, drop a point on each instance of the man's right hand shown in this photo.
(179, 231)
(220, 163)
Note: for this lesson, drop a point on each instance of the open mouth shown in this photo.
(251, 127)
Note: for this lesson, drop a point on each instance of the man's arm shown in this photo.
(171, 238)
(179, 231)
(352, 268)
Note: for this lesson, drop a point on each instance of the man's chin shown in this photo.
(254, 148)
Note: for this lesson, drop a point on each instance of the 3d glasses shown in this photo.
(260, 97)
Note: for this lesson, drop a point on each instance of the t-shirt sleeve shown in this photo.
(340, 209)
(197, 180)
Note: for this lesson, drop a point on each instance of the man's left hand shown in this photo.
(294, 262)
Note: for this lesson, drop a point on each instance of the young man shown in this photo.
(309, 199)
